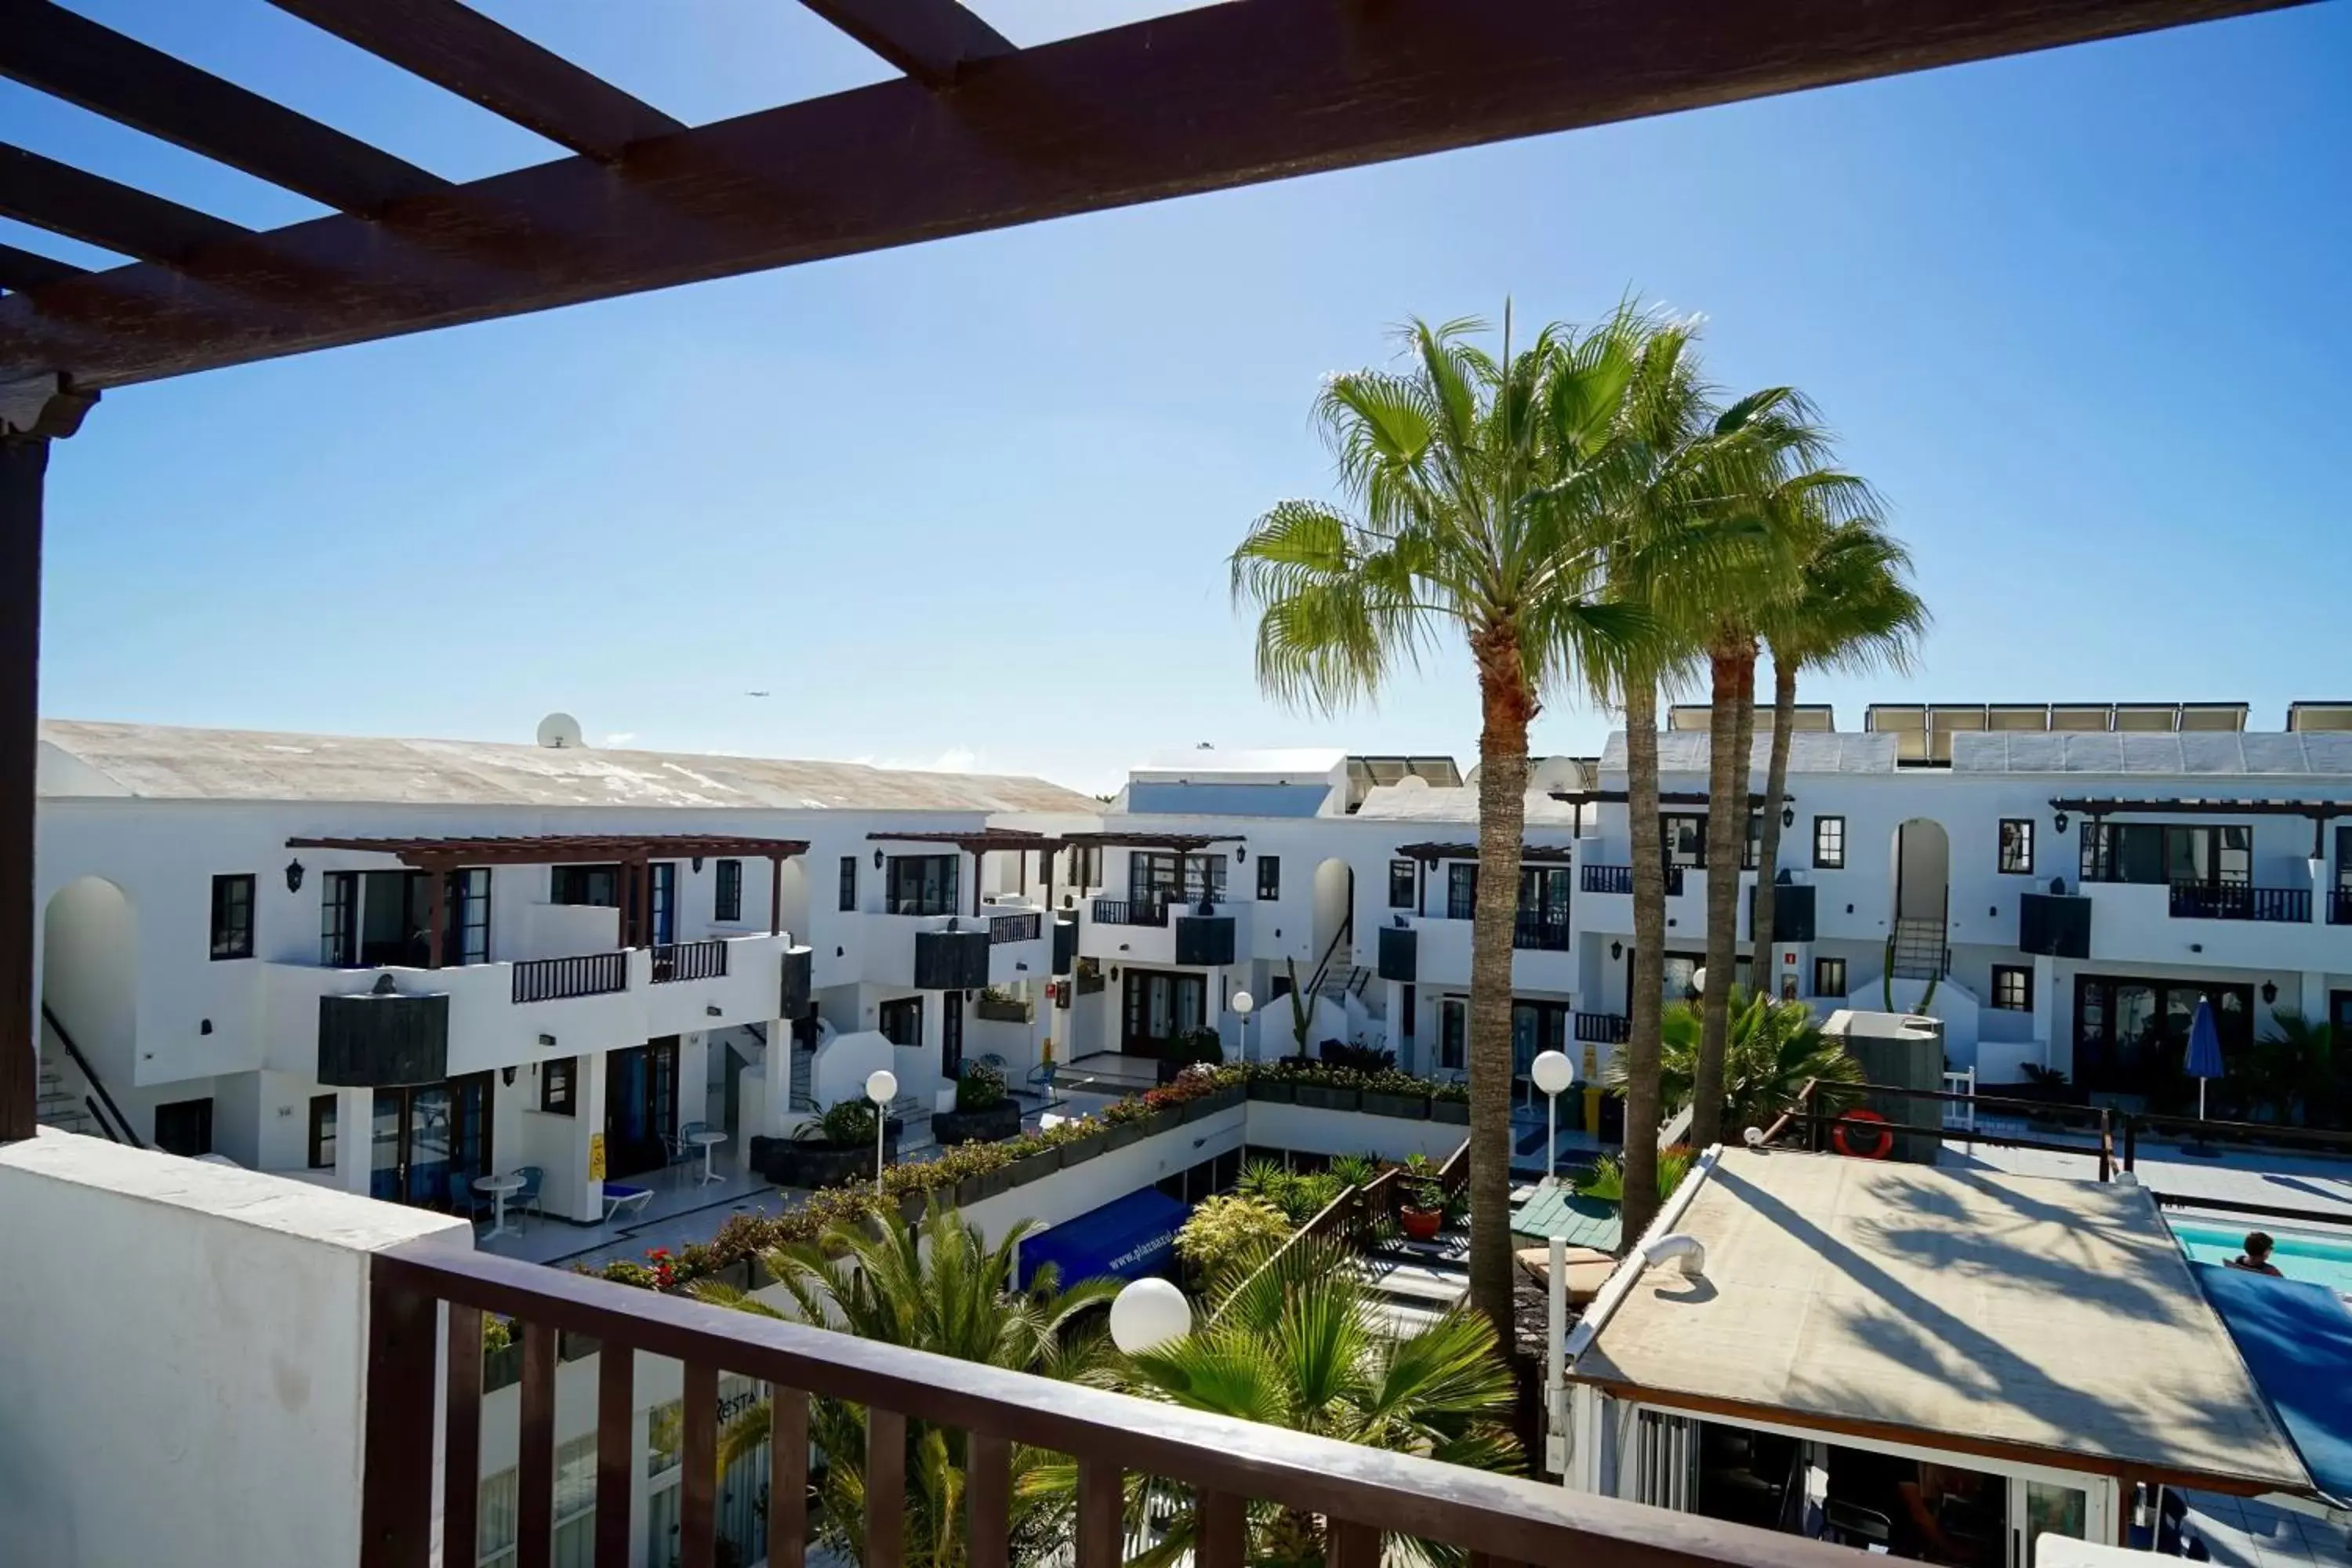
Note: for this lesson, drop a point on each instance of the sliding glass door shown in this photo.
(430, 1141)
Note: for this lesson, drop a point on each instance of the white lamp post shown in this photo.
(1552, 1072)
(1698, 982)
(1147, 1314)
(881, 1087)
(1242, 1003)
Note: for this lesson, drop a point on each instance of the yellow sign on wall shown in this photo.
(596, 1156)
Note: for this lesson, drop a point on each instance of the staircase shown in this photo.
(1339, 988)
(1414, 1283)
(70, 1094)
(57, 1106)
(1919, 949)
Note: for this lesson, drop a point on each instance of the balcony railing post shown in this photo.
(396, 1491)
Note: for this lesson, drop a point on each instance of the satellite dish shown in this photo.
(559, 732)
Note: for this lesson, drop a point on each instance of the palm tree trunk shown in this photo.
(1775, 785)
(1648, 976)
(1509, 707)
(1727, 831)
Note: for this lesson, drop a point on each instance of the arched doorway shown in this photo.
(89, 985)
(792, 905)
(1921, 897)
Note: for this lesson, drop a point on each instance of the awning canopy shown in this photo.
(1127, 1239)
(563, 849)
(2296, 1337)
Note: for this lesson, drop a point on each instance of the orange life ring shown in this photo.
(1883, 1148)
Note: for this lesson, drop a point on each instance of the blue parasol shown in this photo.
(2204, 1050)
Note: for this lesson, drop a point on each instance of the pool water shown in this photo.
(2322, 1260)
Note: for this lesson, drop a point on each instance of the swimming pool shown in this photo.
(2325, 1260)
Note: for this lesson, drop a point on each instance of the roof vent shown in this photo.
(559, 732)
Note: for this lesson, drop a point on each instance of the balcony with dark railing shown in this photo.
(1026, 927)
(1144, 911)
(1602, 1028)
(1619, 879)
(1540, 930)
(584, 974)
(688, 960)
(2240, 902)
(2339, 906)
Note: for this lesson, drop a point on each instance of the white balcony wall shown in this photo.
(1443, 950)
(203, 1405)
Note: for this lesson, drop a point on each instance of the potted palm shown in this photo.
(836, 1147)
(984, 1109)
(1421, 1207)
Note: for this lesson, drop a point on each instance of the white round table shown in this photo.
(708, 1140)
(499, 1187)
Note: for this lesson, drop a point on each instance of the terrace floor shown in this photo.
(2314, 1182)
(2241, 1532)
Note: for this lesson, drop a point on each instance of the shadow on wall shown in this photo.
(90, 976)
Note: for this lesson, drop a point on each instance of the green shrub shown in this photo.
(1231, 1231)
(1607, 1181)
(979, 1086)
(844, 1123)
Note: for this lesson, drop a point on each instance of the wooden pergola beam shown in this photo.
(457, 48)
(49, 47)
(1199, 100)
(96, 211)
(930, 40)
(30, 269)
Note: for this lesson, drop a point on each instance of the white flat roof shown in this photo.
(2048, 1319)
(157, 761)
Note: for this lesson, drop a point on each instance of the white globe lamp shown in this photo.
(1698, 981)
(881, 1087)
(1552, 1072)
(1243, 1004)
(1147, 1314)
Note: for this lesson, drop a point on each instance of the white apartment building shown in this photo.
(241, 950)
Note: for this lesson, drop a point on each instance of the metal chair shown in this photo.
(681, 1145)
(525, 1199)
(463, 1198)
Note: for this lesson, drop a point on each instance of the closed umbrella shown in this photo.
(2204, 1054)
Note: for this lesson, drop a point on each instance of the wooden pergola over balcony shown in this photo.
(979, 841)
(634, 851)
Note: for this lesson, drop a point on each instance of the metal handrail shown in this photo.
(2239, 901)
(89, 1076)
(690, 961)
(1026, 927)
(586, 974)
(1131, 911)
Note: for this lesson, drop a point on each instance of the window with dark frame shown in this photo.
(901, 1019)
(232, 915)
(848, 883)
(923, 884)
(1829, 977)
(322, 1133)
(2017, 845)
(596, 887)
(2012, 987)
(1410, 1002)
(726, 895)
(1269, 876)
(1829, 845)
(1462, 889)
(1400, 884)
(557, 1081)
(1452, 1031)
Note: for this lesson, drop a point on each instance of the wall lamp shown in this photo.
(1788, 817)
(2059, 822)
(1616, 950)
(1241, 853)
(878, 860)
(2270, 992)
(713, 1010)
(293, 875)
(548, 1040)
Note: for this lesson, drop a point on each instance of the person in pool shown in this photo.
(2256, 1258)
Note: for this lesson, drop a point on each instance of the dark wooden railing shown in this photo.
(120, 1130)
(1028, 927)
(1619, 879)
(690, 961)
(1362, 1492)
(2339, 906)
(1603, 1029)
(1151, 912)
(2238, 901)
(589, 975)
(1540, 933)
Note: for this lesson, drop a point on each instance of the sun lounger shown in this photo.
(618, 1197)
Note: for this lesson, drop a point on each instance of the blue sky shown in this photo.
(2079, 315)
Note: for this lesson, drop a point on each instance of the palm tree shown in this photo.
(1774, 1049)
(936, 1287)
(1680, 541)
(1854, 609)
(1475, 481)
(1298, 1344)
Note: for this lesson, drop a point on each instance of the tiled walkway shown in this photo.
(2242, 1533)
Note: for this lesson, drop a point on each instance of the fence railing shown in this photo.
(2339, 906)
(2238, 901)
(1028, 927)
(1131, 911)
(1619, 879)
(690, 961)
(1603, 1029)
(589, 975)
(1363, 1493)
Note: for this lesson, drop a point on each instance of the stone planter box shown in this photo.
(987, 1184)
(1119, 1135)
(912, 1204)
(1412, 1107)
(502, 1368)
(1225, 1099)
(806, 1163)
(1456, 1111)
(737, 1274)
(1279, 1091)
(1085, 1149)
(998, 1121)
(1194, 1110)
(1328, 1098)
(1011, 1010)
(1029, 1167)
(1163, 1121)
